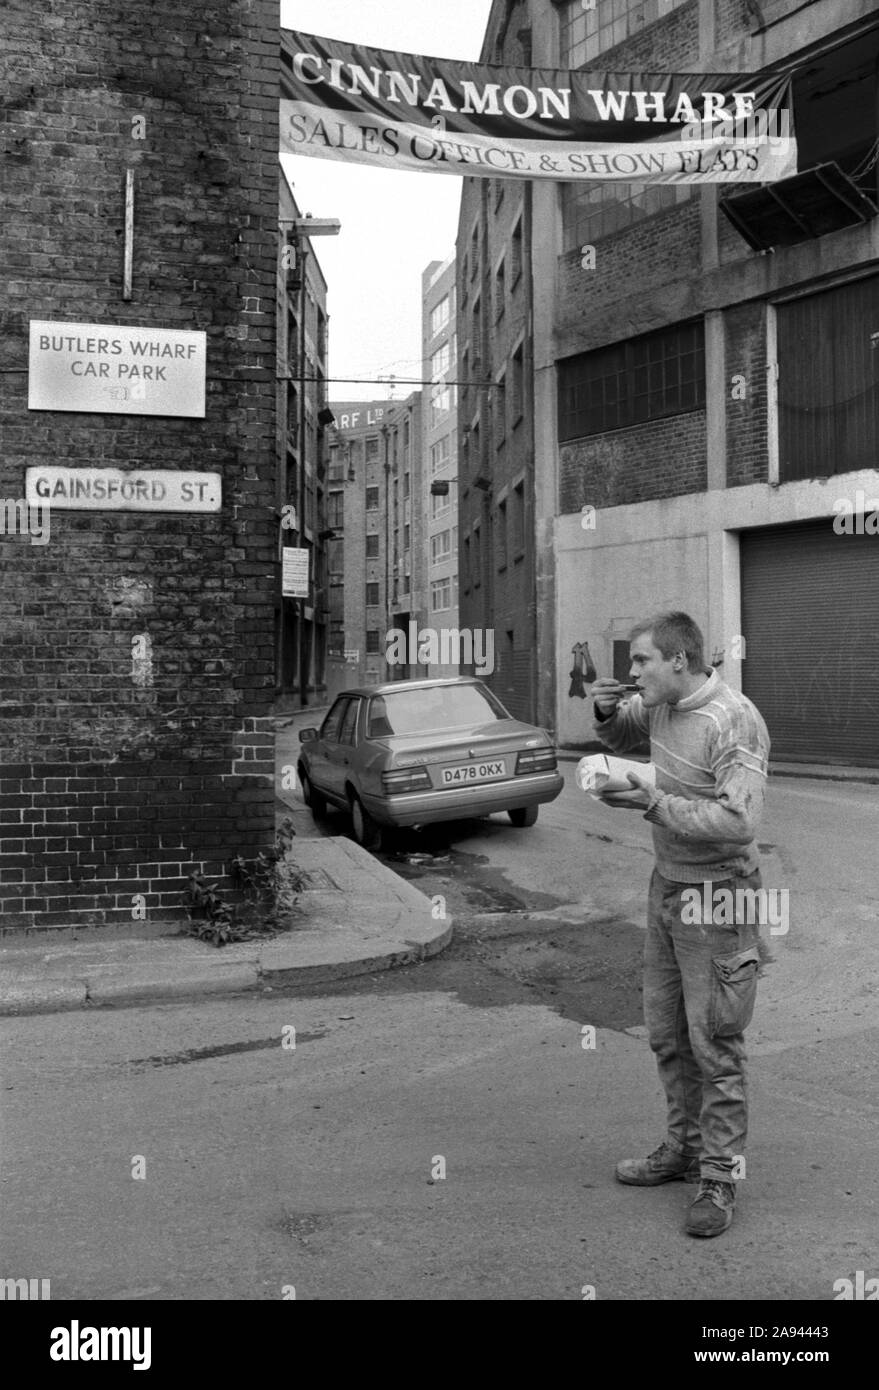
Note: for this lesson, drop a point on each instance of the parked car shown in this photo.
(415, 752)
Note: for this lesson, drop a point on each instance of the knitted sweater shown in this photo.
(711, 755)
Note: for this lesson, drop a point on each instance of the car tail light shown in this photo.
(536, 760)
(409, 779)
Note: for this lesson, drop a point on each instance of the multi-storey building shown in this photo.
(705, 393)
(496, 458)
(302, 419)
(437, 500)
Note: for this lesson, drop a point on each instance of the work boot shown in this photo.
(711, 1212)
(665, 1164)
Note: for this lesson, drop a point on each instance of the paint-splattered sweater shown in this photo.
(711, 753)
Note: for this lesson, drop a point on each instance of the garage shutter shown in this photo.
(810, 619)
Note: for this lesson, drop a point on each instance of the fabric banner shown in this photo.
(402, 111)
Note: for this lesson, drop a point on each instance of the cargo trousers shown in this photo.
(700, 985)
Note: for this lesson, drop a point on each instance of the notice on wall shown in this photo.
(294, 579)
(112, 490)
(113, 369)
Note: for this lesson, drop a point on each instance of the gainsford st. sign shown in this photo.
(111, 489)
(116, 369)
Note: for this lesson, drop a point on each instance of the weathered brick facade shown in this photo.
(122, 772)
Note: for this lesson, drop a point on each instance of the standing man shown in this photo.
(710, 748)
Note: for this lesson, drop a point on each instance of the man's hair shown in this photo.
(672, 633)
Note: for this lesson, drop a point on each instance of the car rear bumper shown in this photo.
(462, 803)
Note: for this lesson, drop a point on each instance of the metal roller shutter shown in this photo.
(810, 619)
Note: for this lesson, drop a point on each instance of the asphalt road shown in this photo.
(442, 1132)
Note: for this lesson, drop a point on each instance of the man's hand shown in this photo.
(638, 799)
(606, 694)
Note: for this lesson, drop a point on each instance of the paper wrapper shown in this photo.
(599, 773)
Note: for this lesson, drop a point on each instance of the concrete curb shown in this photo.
(356, 918)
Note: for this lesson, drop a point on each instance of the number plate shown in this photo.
(473, 772)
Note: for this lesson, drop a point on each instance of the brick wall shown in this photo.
(746, 419)
(665, 458)
(122, 771)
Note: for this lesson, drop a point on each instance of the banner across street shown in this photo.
(404, 111)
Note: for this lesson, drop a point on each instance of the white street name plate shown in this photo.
(112, 490)
(116, 369)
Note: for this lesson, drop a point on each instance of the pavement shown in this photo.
(354, 917)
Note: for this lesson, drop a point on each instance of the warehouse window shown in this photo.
(587, 32)
(592, 210)
(646, 378)
(372, 547)
(372, 499)
(372, 595)
(372, 640)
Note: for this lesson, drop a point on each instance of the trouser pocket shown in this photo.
(733, 991)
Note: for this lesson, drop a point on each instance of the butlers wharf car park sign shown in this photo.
(115, 369)
(115, 490)
(401, 111)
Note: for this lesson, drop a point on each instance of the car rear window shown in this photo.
(431, 708)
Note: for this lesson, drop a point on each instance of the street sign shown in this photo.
(115, 369)
(115, 490)
(294, 578)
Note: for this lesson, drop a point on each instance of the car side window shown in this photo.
(349, 723)
(329, 729)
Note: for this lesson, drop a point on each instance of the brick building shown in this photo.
(303, 453)
(439, 451)
(498, 542)
(138, 645)
(375, 556)
(705, 383)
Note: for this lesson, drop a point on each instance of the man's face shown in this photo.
(657, 678)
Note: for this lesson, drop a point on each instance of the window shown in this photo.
(629, 383)
(372, 448)
(476, 553)
(516, 253)
(372, 595)
(372, 640)
(440, 595)
(330, 727)
(828, 399)
(476, 334)
(440, 547)
(335, 508)
(465, 565)
(372, 547)
(474, 250)
(440, 361)
(518, 520)
(585, 33)
(437, 707)
(591, 211)
(500, 411)
(348, 731)
(440, 453)
(501, 533)
(518, 393)
(372, 499)
(406, 485)
(439, 505)
(454, 540)
(406, 537)
(440, 404)
(500, 291)
(439, 316)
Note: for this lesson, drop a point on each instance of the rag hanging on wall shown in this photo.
(583, 672)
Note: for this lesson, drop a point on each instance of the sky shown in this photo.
(393, 224)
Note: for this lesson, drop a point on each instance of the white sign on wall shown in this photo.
(115, 369)
(294, 579)
(112, 490)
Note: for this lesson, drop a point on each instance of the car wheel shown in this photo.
(523, 816)
(367, 832)
(314, 801)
